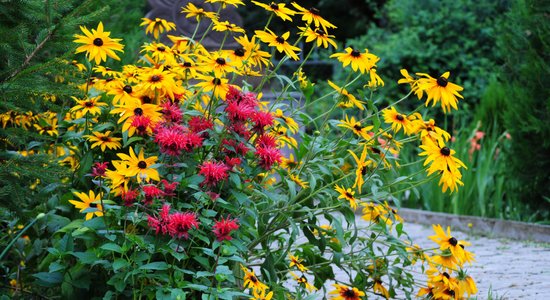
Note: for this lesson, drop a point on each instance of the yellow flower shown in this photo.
(279, 42)
(279, 9)
(198, 12)
(251, 281)
(47, 126)
(398, 121)
(219, 63)
(356, 127)
(103, 140)
(296, 179)
(160, 82)
(359, 61)
(346, 293)
(428, 130)
(348, 195)
(447, 241)
(157, 26)
(140, 166)
(380, 289)
(226, 26)
(440, 90)
(91, 105)
(311, 15)
(290, 163)
(218, 86)
(295, 261)
(224, 3)
(349, 100)
(441, 158)
(362, 164)
(302, 280)
(97, 44)
(319, 36)
(252, 52)
(261, 295)
(88, 202)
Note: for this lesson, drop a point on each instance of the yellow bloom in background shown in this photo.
(429, 130)
(466, 284)
(261, 295)
(104, 140)
(362, 167)
(440, 90)
(289, 122)
(296, 179)
(226, 26)
(290, 163)
(140, 166)
(47, 126)
(160, 82)
(311, 15)
(218, 63)
(90, 105)
(302, 280)
(278, 9)
(224, 3)
(251, 281)
(359, 61)
(375, 79)
(97, 44)
(380, 289)
(279, 42)
(160, 53)
(348, 195)
(398, 121)
(117, 176)
(344, 292)
(157, 26)
(297, 262)
(356, 127)
(319, 36)
(218, 86)
(197, 12)
(349, 100)
(447, 242)
(253, 54)
(441, 158)
(88, 202)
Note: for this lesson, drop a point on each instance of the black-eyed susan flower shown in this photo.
(251, 281)
(224, 3)
(160, 82)
(279, 9)
(295, 261)
(160, 53)
(47, 126)
(466, 284)
(217, 85)
(359, 61)
(445, 260)
(347, 194)
(133, 109)
(440, 90)
(289, 122)
(103, 140)
(290, 163)
(450, 179)
(261, 295)
(398, 121)
(311, 15)
(88, 204)
(218, 63)
(348, 100)
(224, 26)
(302, 281)
(362, 167)
(90, 106)
(356, 127)
(117, 177)
(380, 289)
(252, 52)
(447, 242)
(157, 26)
(279, 42)
(344, 292)
(429, 130)
(97, 44)
(123, 92)
(197, 12)
(140, 166)
(300, 182)
(440, 157)
(319, 36)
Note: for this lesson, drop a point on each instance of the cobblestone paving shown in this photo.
(507, 269)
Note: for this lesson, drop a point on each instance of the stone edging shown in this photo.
(481, 226)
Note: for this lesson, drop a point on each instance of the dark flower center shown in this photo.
(142, 164)
(187, 64)
(109, 79)
(155, 78)
(349, 293)
(89, 104)
(376, 150)
(220, 61)
(453, 241)
(239, 52)
(138, 111)
(446, 275)
(442, 81)
(161, 49)
(253, 279)
(363, 170)
(445, 151)
(314, 10)
(127, 89)
(348, 195)
(93, 205)
(98, 42)
(280, 40)
(357, 127)
(146, 99)
(399, 117)
(105, 139)
(274, 6)
(355, 53)
(320, 32)
(216, 81)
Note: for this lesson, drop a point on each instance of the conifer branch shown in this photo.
(30, 56)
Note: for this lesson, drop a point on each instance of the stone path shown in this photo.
(504, 269)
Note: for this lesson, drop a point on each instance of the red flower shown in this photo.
(223, 228)
(231, 146)
(240, 129)
(213, 172)
(199, 124)
(174, 140)
(268, 156)
(262, 119)
(151, 192)
(181, 223)
(171, 112)
(266, 141)
(161, 223)
(232, 161)
(98, 170)
(141, 123)
(129, 197)
(169, 188)
(239, 111)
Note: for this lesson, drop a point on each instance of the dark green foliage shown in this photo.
(432, 37)
(525, 39)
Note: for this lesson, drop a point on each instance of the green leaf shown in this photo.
(112, 247)
(48, 279)
(158, 265)
(399, 229)
(120, 263)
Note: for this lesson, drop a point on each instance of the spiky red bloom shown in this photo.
(223, 228)
(129, 197)
(151, 192)
(199, 124)
(232, 161)
(268, 156)
(173, 141)
(181, 223)
(169, 188)
(261, 119)
(240, 129)
(161, 223)
(266, 141)
(141, 123)
(232, 147)
(239, 111)
(98, 169)
(171, 112)
(213, 172)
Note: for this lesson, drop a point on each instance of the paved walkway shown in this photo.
(505, 269)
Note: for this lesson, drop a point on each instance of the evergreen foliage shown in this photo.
(525, 39)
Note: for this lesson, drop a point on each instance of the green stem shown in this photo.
(5, 251)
